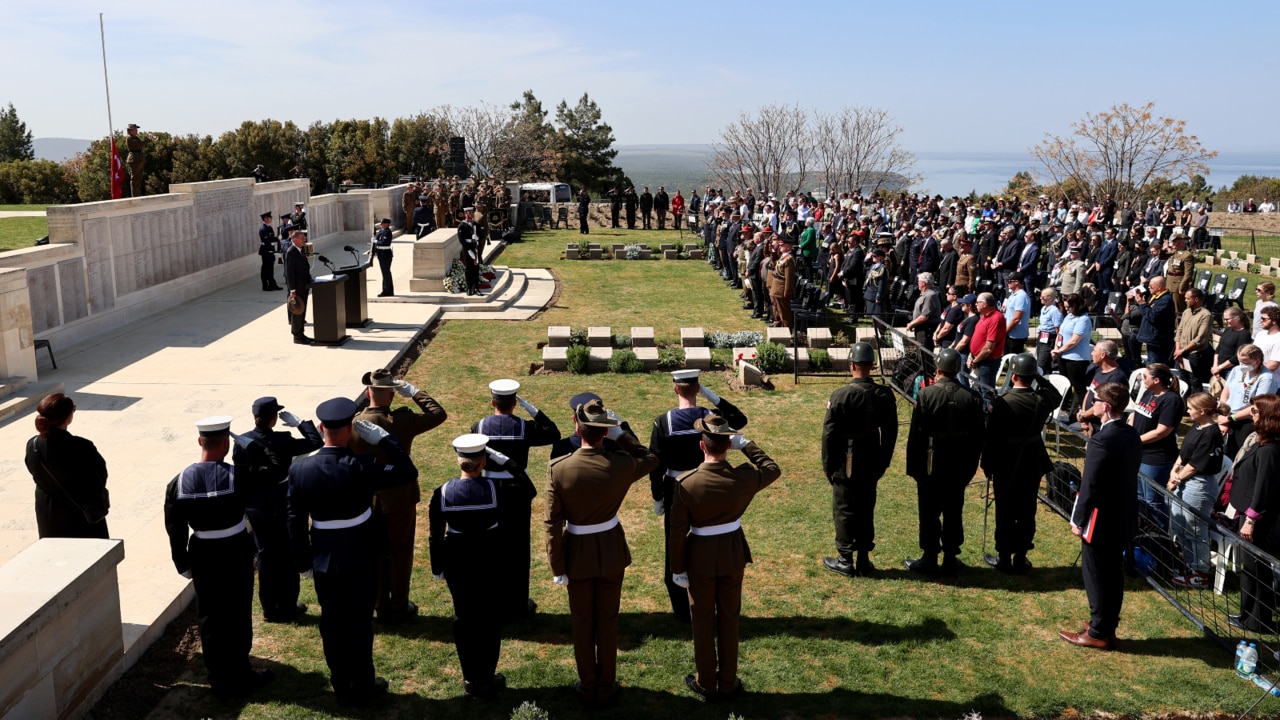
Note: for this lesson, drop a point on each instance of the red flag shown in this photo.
(117, 173)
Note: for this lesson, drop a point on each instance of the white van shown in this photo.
(546, 193)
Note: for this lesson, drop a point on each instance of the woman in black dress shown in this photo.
(70, 475)
(1255, 488)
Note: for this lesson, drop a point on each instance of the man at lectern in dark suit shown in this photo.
(1105, 517)
(297, 278)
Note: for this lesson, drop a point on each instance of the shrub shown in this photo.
(722, 357)
(772, 358)
(819, 359)
(840, 339)
(716, 339)
(529, 710)
(578, 358)
(745, 338)
(621, 340)
(670, 358)
(578, 337)
(625, 362)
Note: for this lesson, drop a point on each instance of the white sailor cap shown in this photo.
(686, 376)
(470, 445)
(214, 425)
(504, 387)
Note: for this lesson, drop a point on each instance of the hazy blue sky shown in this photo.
(976, 76)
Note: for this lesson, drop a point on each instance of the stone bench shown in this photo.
(599, 336)
(692, 337)
(61, 640)
(558, 335)
(697, 358)
(641, 337)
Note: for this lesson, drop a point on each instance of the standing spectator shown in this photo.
(1074, 349)
(1246, 381)
(1193, 346)
(964, 334)
(1256, 489)
(677, 209)
(70, 475)
(1156, 417)
(966, 265)
(927, 312)
(1104, 356)
(1266, 293)
(584, 209)
(875, 289)
(629, 200)
(1073, 272)
(1235, 336)
(947, 264)
(1047, 331)
(952, 315)
(1269, 342)
(646, 208)
(988, 343)
(662, 203)
(1017, 313)
(1194, 481)
(1158, 319)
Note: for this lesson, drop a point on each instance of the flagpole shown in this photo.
(111, 128)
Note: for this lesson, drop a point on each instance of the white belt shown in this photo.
(497, 474)
(609, 524)
(342, 524)
(676, 473)
(220, 534)
(716, 529)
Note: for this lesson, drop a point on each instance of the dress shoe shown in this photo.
(927, 566)
(864, 567)
(1236, 622)
(410, 610)
(365, 695)
(1084, 639)
(487, 689)
(839, 565)
(1001, 563)
(1021, 565)
(291, 615)
(384, 295)
(950, 566)
(734, 691)
(302, 340)
(691, 682)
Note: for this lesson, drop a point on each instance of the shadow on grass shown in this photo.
(634, 629)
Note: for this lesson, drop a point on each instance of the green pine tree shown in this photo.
(15, 139)
(586, 146)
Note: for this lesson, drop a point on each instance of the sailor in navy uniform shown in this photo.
(568, 444)
(277, 580)
(382, 250)
(268, 246)
(334, 489)
(674, 440)
(466, 516)
(513, 436)
(218, 556)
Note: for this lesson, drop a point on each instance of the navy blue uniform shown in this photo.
(470, 256)
(513, 436)
(268, 245)
(424, 219)
(337, 486)
(675, 441)
(265, 508)
(208, 498)
(382, 249)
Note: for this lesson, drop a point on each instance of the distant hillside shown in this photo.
(676, 167)
(58, 149)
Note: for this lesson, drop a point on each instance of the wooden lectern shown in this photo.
(329, 310)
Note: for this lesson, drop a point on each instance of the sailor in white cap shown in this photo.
(513, 436)
(218, 556)
(341, 545)
(466, 540)
(674, 440)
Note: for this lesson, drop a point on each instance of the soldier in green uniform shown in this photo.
(136, 159)
(1179, 270)
(858, 437)
(1015, 458)
(943, 448)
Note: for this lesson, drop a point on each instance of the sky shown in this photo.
(973, 77)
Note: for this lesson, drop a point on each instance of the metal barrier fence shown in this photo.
(1168, 528)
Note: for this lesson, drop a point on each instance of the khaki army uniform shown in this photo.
(1179, 272)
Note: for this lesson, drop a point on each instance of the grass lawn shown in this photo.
(21, 232)
(814, 644)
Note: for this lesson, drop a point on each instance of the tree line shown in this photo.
(513, 141)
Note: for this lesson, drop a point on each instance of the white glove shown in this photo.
(681, 579)
(527, 407)
(657, 508)
(497, 456)
(289, 419)
(738, 442)
(308, 575)
(406, 390)
(711, 397)
(369, 432)
(439, 576)
(186, 574)
(560, 580)
(241, 441)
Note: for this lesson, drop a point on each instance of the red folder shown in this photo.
(1086, 532)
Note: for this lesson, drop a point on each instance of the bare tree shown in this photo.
(483, 127)
(873, 157)
(770, 151)
(1122, 151)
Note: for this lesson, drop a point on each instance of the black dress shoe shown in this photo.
(1001, 564)
(926, 566)
(840, 565)
(302, 340)
(488, 689)
(950, 566)
(291, 615)
(410, 610)
(691, 682)
(365, 695)
(1021, 565)
(864, 567)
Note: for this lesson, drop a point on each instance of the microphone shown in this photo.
(353, 252)
(327, 264)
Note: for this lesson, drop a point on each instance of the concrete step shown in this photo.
(537, 286)
(17, 395)
(498, 285)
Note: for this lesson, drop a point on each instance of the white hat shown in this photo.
(470, 444)
(214, 424)
(684, 376)
(504, 387)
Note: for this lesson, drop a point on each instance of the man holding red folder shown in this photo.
(1105, 516)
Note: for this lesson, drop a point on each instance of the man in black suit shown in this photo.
(1105, 516)
(297, 278)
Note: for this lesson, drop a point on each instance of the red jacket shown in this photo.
(677, 205)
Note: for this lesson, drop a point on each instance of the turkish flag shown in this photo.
(117, 173)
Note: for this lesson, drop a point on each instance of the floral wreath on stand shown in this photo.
(456, 280)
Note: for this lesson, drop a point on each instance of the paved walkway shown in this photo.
(140, 390)
(21, 213)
